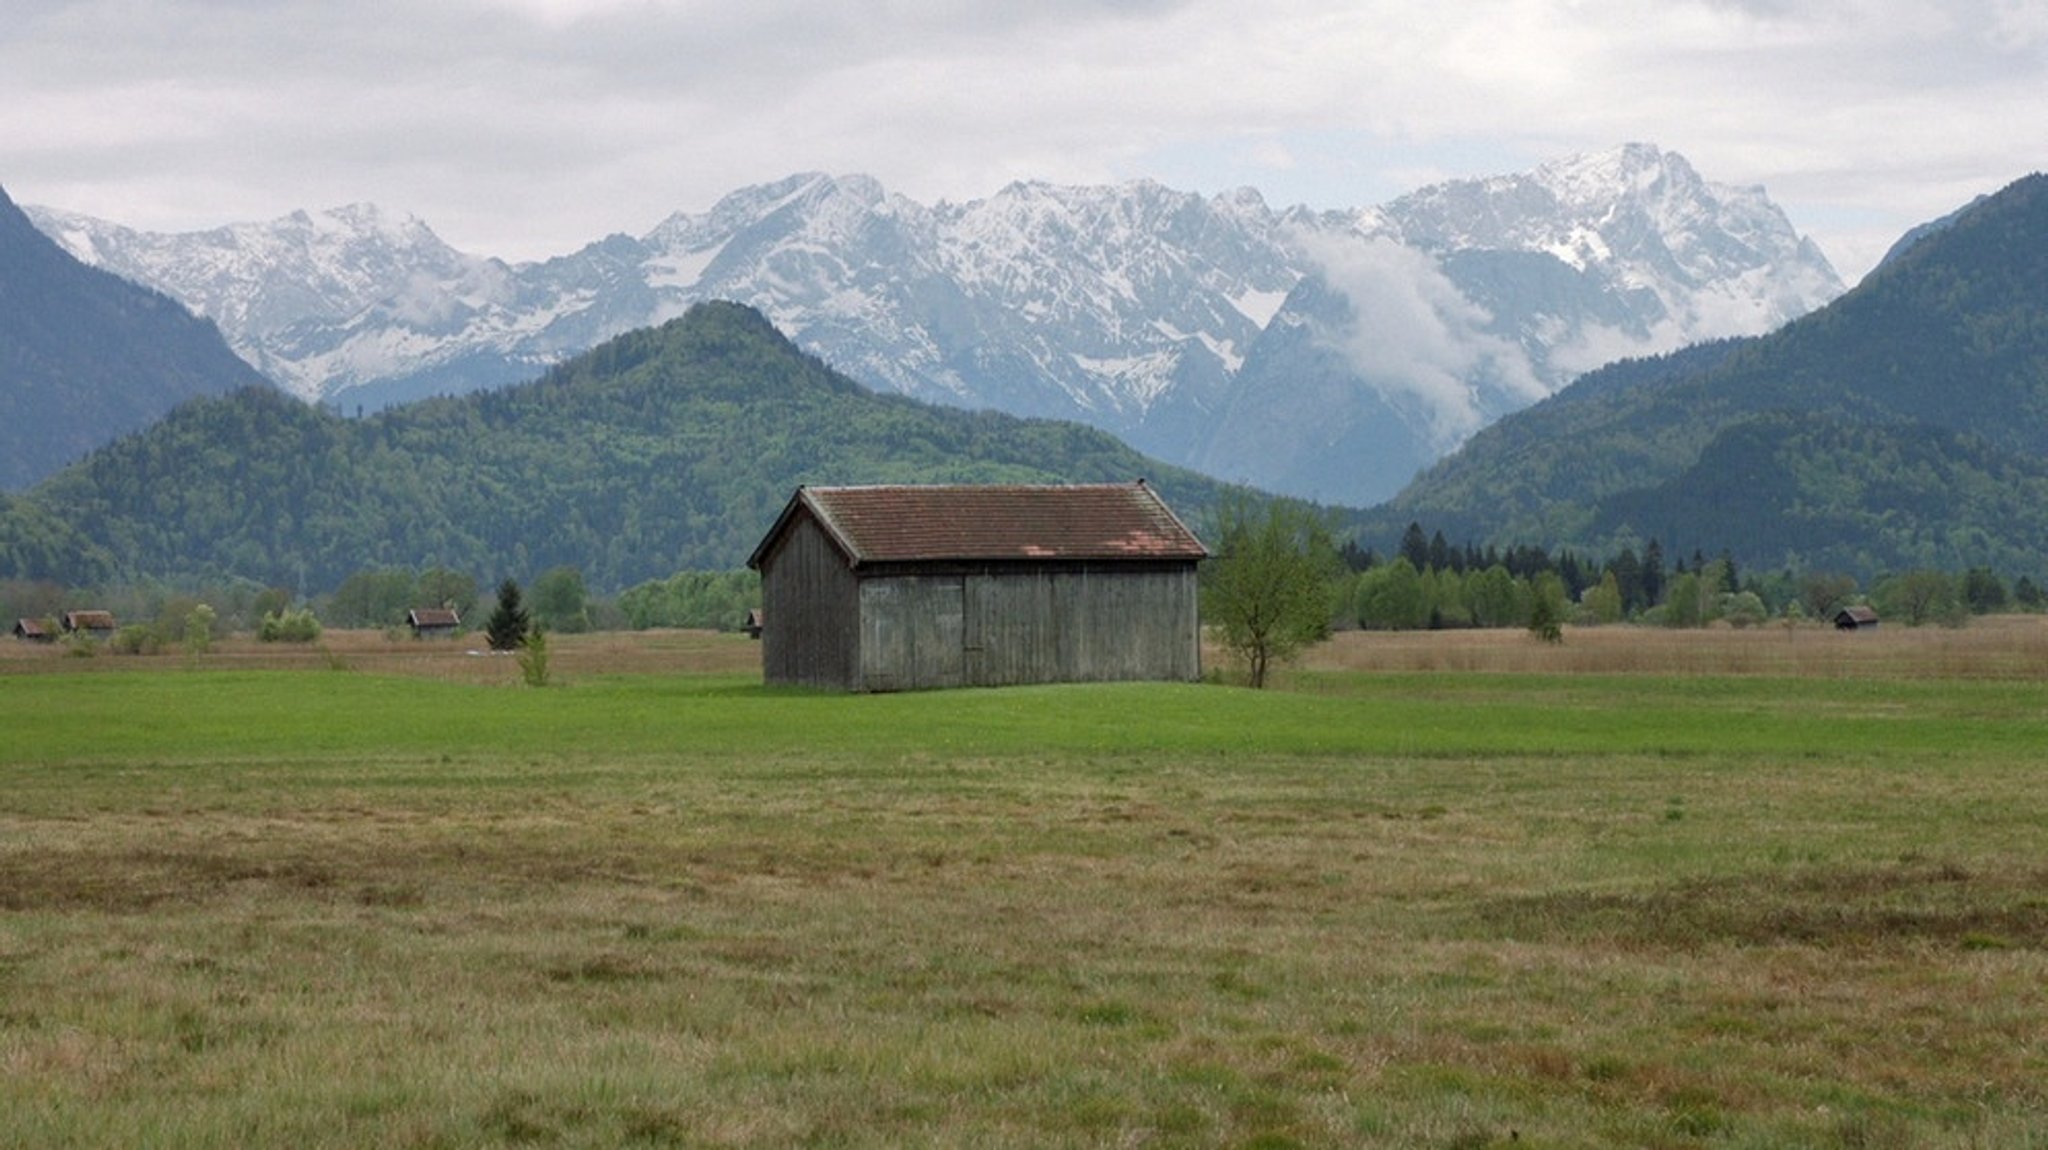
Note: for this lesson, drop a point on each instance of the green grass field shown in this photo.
(1455, 909)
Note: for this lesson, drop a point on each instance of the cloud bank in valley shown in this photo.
(1416, 338)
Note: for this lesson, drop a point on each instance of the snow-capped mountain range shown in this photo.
(1325, 354)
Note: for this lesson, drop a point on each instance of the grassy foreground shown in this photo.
(1435, 908)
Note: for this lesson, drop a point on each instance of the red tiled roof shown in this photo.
(909, 524)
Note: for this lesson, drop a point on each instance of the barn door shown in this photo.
(910, 633)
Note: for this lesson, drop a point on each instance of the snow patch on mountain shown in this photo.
(1135, 307)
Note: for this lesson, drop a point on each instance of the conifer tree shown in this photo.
(507, 628)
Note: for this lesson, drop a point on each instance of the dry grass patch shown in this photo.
(1544, 911)
(1998, 647)
(462, 659)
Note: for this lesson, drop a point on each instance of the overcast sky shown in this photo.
(526, 128)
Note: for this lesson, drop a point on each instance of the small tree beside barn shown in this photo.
(895, 588)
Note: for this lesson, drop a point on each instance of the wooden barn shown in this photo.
(97, 624)
(433, 622)
(1855, 619)
(904, 588)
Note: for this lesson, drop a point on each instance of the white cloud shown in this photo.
(525, 127)
(1417, 338)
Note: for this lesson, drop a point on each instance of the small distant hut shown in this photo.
(432, 622)
(92, 624)
(33, 631)
(753, 624)
(896, 588)
(1855, 619)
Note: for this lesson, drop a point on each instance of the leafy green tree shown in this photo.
(1983, 591)
(1269, 589)
(710, 600)
(444, 587)
(507, 628)
(1743, 609)
(1603, 603)
(1443, 593)
(1917, 598)
(2028, 595)
(1682, 602)
(1494, 598)
(269, 601)
(1391, 597)
(560, 600)
(1546, 607)
(375, 598)
(198, 635)
(1823, 593)
(1628, 579)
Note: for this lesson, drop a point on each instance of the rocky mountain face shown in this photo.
(1422, 321)
(1321, 354)
(86, 357)
(1899, 427)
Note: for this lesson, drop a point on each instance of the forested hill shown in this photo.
(1904, 425)
(664, 449)
(86, 356)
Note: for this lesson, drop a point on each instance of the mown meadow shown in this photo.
(1485, 893)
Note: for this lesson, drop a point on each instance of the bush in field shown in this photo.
(136, 639)
(1744, 609)
(288, 626)
(533, 657)
(198, 635)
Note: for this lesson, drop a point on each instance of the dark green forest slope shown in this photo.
(1904, 425)
(665, 449)
(86, 356)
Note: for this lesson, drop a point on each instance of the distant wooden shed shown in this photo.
(754, 623)
(97, 624)
(1855, 619)
(898, 588)
(429, 622)
(33, 631)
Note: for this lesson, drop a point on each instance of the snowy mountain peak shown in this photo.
(1146, 310)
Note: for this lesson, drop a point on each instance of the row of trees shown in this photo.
(1278, 582)
(1429, 583)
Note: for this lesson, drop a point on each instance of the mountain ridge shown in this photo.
(1133, 307)
(1935, 365)
(664, 449)
(86, 355)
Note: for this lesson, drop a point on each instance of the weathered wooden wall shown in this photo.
(810, 603)
(1003, 626)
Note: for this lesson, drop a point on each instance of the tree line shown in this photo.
(1428, 583)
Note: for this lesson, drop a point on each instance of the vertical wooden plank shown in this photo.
(910, 633)
(809, 607)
